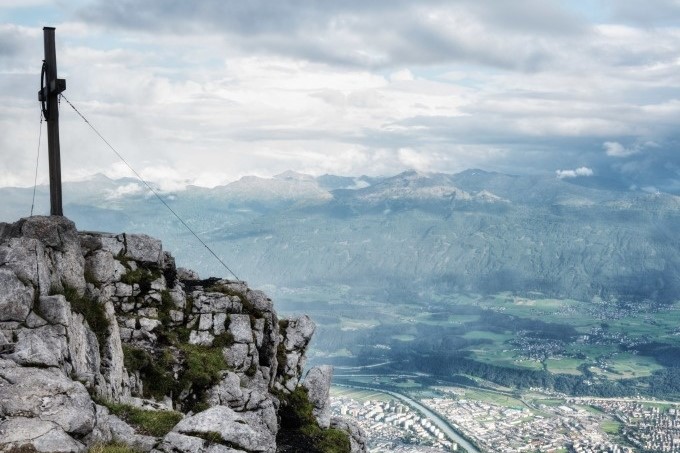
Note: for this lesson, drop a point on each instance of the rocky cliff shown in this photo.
(105, 342)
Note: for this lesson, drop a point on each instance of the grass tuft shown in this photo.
(152, 423)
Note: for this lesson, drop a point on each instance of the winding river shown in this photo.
(435, 418)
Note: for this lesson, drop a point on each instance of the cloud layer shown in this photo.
(204, 92)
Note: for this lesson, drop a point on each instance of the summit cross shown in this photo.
(50, 87)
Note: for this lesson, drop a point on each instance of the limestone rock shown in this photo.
(16, 299)
(239, 327)
(43, 436)
(187, 274)
(201, 338)
(299, 332)
(236, 356)
(44, 347)
(240, 430)
(296, 336)
(357, 437)
(143, 248)
(228, 392)
(49, 354)
(318, 385)
(30, 262)
(59, 235)
(111, 428)
(260, 301)
(55, 309)
(180, 443)
(101, 266)
(47, 394)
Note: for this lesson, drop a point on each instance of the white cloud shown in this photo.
(127, 189)
(526, 87)
(616, 149)
(401, 75)
(581, 171)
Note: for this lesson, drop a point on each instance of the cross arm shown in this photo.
(54, 87)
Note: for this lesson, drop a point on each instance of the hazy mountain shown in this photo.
(470, 232)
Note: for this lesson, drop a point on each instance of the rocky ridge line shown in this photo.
(95, 324)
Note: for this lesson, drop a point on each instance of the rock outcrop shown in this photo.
(99, 331)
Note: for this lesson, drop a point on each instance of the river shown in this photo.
(435, 418)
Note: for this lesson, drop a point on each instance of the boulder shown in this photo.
(28, 259)
(111, 428)
(144, 249)
(187, 274)
(16, 299)
(46, 394)
(41, 435)
(102, 267)
(228, 392)
(318, 385)
(243, 431)
(180, 443)
(298, 333)
(239, 327)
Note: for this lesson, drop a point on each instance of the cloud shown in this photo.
(375, 34)
(616, 149)
(647, 13)
(125, 190)
(206, 92)
(581, 171)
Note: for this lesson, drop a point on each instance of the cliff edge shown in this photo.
(104, 342)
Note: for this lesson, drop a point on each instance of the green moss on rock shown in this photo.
(152, 423)
(301, 433)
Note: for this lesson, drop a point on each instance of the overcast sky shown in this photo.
(205, 91)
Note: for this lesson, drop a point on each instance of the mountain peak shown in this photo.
(293, 175)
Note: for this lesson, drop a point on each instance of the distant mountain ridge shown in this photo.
(474, 231)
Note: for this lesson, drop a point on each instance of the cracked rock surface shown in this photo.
(91, 321)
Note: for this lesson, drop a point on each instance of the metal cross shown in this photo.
(50, 87)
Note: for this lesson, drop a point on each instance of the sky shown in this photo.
(206, 91)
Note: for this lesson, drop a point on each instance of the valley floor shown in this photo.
(498, 421)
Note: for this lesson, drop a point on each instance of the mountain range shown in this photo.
(471, 232)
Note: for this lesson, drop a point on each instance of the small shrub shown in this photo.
(156, 373)
(213, 437)
(252, 370)
(203, 368)
(300, 429)
(89, 278)
(332, 441)
(152, 423)
(296, 410)
(223, 340)
(141, 276)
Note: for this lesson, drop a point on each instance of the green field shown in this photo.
(611, 427)
(501, 330)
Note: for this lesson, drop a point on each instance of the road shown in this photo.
(435, 418)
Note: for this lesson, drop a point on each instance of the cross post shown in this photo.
(50, 87)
